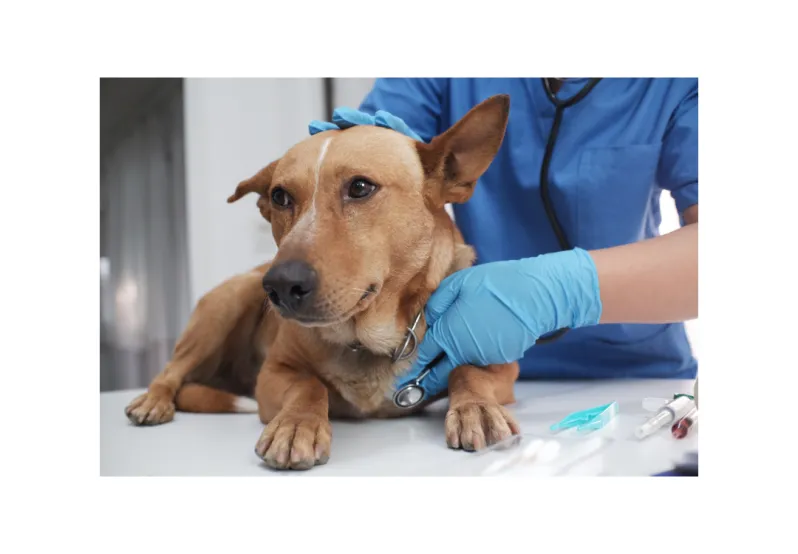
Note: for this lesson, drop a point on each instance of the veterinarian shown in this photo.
(565, 225)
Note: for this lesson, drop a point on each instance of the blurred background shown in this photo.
(172, 151)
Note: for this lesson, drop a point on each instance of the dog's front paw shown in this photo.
(476, 425)
(151, 408)
(295, 441)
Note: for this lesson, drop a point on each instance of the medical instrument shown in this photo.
(540, 455)
(684, 425)
(583, 455)
(411, 337)
(559, 106)
(651, 404)
(588, 420)
(413, 393)
(673, 410)
(538, 451)
(549, 458)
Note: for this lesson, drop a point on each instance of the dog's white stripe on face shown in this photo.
(306, 226)
(322, 153)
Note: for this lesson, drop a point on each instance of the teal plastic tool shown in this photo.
(588, 420)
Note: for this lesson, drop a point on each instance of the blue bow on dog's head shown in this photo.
(344, 118)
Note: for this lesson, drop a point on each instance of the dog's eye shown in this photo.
(281, 198)
(360, 188)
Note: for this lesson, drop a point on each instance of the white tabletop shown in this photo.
(223, 445)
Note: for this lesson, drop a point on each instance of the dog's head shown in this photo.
(353, 212)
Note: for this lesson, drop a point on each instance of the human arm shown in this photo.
(652, 281)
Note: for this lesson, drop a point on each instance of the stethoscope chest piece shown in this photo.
(408, 396)
(413, 393)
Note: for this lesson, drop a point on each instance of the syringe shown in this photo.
(670, 412)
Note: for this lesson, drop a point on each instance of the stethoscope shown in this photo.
(413, 393)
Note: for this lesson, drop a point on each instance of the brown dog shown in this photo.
(363, 240)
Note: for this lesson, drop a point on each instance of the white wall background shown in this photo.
(234, 127)
(350, 92)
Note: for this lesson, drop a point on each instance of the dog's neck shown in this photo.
(405, 350)
(384, 329)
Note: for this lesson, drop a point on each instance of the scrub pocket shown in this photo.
(614, 193)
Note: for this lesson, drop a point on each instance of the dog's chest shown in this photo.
(364, 381)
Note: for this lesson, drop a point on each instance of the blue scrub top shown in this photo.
(617, 151)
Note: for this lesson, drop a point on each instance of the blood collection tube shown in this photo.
(683, 426)
(670, 412)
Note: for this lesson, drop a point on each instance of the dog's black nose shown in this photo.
(290, 284)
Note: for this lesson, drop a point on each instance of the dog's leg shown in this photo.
(295, 408)
(202, 399)
(476, 416)
(200, 346)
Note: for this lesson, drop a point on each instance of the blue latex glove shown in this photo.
(344, 118)
(495, 312)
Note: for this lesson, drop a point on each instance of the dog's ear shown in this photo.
(259, 183)
(454, 160)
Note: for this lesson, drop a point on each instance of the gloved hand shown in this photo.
(493, 313)
(344, 118)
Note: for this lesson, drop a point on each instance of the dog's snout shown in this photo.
(290, 284)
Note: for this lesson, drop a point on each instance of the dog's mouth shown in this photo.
(372, 289)
(315, 320)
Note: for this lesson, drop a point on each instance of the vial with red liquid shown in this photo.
(682, 427)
